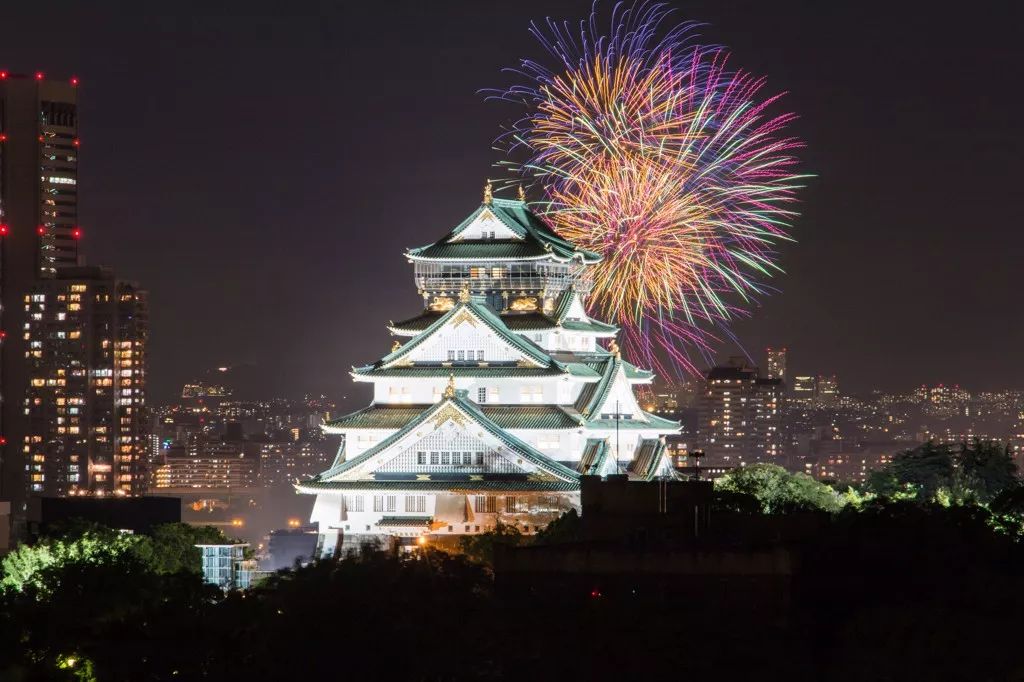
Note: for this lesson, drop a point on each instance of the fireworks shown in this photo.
(653, 152)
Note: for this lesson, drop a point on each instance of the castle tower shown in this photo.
(497, 397)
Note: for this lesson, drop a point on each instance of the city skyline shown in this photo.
(877, 241)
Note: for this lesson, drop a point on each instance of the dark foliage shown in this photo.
(892, 591)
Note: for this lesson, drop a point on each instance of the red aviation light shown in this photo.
(3, 75)
(74, 81)
(41, 230)
(3, 137)
(3, 335)
(4, 230)
(3, 440)
(40, 75)
(76, 143)
(40, 138)
(76, 233)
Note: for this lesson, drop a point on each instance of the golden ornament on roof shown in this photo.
(488, 193)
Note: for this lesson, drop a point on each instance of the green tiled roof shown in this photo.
(591, 397)
(505, 416)
(492, 250)
(418, 323)
(527, 322)
(522, 449)
(314, 485)
(634, 372)
(595, 452)
(538, 240)
(646, 461)
(489, 372)
(591, 326)
(521, 322)
(482, 312)
(654, 422)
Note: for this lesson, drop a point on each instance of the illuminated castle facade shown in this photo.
(497, 398)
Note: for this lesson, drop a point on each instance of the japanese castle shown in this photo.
(494, 401)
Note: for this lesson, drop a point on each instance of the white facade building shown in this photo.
(501, 396)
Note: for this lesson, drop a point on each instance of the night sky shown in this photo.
(261, 172)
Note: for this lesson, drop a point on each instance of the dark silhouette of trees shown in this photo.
(924, 587)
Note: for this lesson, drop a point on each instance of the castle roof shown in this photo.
(529, 238)
(549, 469)
(521, 322)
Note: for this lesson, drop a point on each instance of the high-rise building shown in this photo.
(39, 157)
(740, 416)
(39, 234)
(804, 388)
(826, 391)
(85, 405)
(777, 363)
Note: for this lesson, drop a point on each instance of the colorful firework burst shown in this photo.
(653, 152)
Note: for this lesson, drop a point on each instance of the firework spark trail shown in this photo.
(652, 152)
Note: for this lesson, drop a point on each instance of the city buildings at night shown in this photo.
(74, 351)
(826, 390)
(803, 389)
(740, 416)
(39, 234)
(215, 468)
(500, 397)
(87, 335)
(777, 363)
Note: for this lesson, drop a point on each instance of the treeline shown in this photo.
(917, 575)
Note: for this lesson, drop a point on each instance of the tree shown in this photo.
(985, 469)
(928, 468)
(37, 565)
(566, 528)
(173, 547)
(480, 547)
(778, 490)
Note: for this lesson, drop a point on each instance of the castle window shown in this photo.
(421, 457)
(416, 503)
(384, 503)
(531, 394)
(516, 505)
(485, 504)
